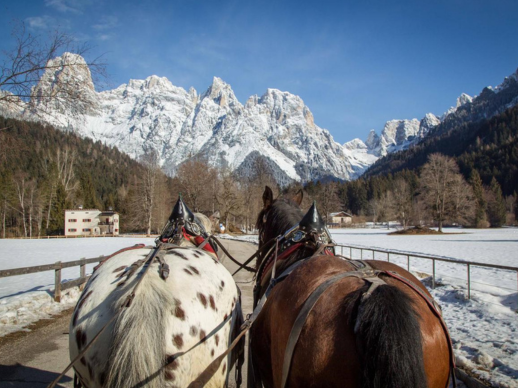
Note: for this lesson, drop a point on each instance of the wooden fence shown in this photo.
(56, 267)
(434, 259)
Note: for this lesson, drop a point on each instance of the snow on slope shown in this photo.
(153, 114)
(278, 128)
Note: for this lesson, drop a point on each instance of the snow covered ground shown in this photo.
(484, 328)
(27, 298)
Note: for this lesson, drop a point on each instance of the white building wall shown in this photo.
(81, 222)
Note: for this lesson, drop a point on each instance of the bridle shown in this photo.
(311, 228)
(183, 224)
(310, 232)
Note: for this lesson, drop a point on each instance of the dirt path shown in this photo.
(33, 359)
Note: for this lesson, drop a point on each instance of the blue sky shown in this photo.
(356, 64)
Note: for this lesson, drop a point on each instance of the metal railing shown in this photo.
(434, 259)
(56, 267)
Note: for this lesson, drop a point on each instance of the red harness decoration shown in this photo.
(198, 240)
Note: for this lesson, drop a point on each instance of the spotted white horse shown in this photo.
(172, 330)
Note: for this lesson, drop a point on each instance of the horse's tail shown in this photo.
(138, 354)
(389, 340)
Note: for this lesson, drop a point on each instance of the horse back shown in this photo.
(328, 352)
(171, 331)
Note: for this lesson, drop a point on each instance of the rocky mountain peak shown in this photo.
(285, 106)
(373, 140)
(463, 99)
(222, 95)
(67, 78)
(276, 128)
(428, 122)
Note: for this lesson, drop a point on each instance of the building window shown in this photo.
(86, 229)
(72, 220)
(87, 220)
(72, 230)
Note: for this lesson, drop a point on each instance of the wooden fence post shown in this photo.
(469, 282)
(57, 282)
(433, 274)
(82, 273)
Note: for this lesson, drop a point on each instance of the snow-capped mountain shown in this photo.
(154, 115)
(401, 134)
(396, 135)
(276, 129)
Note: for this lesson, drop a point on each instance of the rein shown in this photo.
(225, 251)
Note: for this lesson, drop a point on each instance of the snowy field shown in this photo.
(26, 298)
(483, 328)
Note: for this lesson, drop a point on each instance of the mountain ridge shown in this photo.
(276, 128)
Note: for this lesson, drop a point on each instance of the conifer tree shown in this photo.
(478, 192)
(57, 212)
(496, 205)
(89, 196)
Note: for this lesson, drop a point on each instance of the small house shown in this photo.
(91, 222)
(340, 219)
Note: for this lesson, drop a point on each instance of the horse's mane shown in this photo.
(282, 215)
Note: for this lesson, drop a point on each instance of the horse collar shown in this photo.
(181, 220)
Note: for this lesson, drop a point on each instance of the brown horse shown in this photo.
(392, 338)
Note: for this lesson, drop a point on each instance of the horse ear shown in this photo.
(267, 197)
(298, 197)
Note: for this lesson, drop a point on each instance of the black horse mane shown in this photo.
(280, 216)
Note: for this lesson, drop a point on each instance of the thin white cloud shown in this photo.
(40, 22)
(104, 37)
(106, 23)
(73, 6)
(81, 37)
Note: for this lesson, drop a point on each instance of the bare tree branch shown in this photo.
(32, 55)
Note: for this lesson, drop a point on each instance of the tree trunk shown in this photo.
(30, 222)
(50, 206)
(3, 218)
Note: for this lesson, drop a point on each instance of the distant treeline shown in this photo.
(44, 171)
